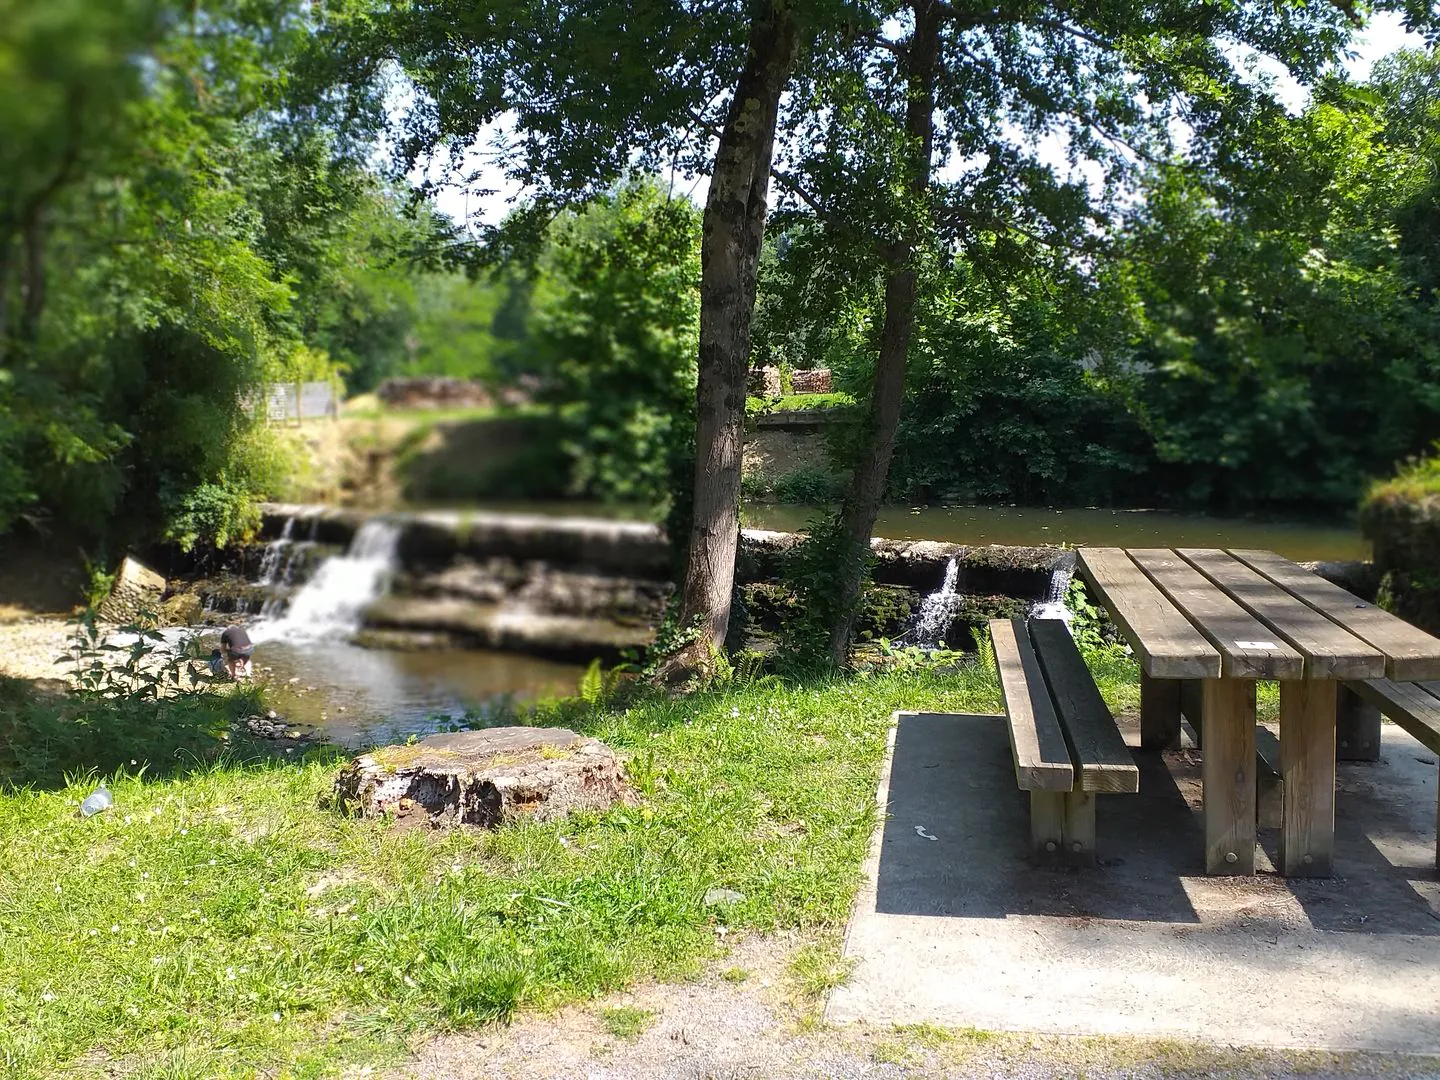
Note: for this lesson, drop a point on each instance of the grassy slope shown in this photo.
(221, 922)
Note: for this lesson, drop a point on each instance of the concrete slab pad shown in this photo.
(962, 930)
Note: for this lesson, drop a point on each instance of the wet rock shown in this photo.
(485, 778)
(271, 726)
(1360, 578)
(182, 609)
(137, 589)
(562, 637)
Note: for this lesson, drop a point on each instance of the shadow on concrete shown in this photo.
(1386, 881)
(952, 776)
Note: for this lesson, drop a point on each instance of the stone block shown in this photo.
(137, 589)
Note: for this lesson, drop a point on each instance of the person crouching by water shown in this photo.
(235, 650)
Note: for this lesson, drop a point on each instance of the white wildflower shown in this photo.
(47, 996)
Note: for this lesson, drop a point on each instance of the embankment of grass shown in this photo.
(220, 921)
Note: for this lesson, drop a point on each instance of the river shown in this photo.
(360, 696)
(1025, 525)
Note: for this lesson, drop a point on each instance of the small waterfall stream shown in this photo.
(275, 552)
(1053, 606)
(938, 610)
(330, 605)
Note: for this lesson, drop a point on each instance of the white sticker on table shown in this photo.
(1256, 645)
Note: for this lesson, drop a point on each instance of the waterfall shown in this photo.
(939, 609)
(274, 552)
(331, 604)
(1053, 606)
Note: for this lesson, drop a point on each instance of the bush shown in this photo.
(813, 485)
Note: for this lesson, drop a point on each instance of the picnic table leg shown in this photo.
(1080, 827)
(1159, 713)
(1307, 766)
(1047, 824)
(1228, 773)
(1191, 707)
(1357, 728)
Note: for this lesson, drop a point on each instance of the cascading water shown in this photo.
(275, 551)
(1053, 606)
(330, 605)
(938, 610)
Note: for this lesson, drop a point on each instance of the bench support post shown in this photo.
(1307, 765)
(1357, 728)
(1047, 824)
(1191, 708)
(1159, 713)
(1080, 827)
(1228, 771)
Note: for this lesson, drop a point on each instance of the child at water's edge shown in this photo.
(235, 649)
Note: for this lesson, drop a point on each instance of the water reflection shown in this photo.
(360, 696)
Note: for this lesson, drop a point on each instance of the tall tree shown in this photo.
(1010, 89)
(591, 92)
(733, 231)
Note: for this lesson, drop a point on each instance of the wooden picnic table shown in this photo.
(1228, 619)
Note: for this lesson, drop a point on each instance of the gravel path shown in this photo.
(744, 1018)
(28, 648)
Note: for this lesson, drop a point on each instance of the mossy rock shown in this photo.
(1401, 519)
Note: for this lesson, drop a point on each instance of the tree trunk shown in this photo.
(872, 467)
(733, 228)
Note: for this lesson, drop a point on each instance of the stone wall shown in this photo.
(766, 382)
(136, 592)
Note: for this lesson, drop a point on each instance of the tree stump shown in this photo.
(486, 778)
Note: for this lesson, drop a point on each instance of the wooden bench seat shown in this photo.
(1065, 745)
(1414, 707)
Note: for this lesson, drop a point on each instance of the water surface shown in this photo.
(1025, 525)
(1115, 528)
(358, 696)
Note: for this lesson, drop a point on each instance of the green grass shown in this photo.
(219, 922)
(1416, 480)
(626, 1021)
(797, 402)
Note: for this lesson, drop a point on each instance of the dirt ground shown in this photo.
(748, 1017)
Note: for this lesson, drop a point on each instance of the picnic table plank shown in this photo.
(1248, 649)
(1167, 646)
(1411, 655)
(1096, 744)
(1330, 651)
(1410, 706)
(1042, 760)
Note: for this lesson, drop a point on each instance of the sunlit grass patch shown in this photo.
(626, 1021)
(219, 921)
